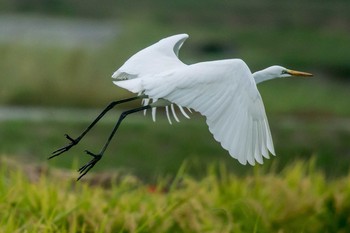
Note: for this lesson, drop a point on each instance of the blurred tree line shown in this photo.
(329, 20)
(79, 8)
(314, 12)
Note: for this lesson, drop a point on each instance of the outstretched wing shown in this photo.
(224, 92)
(155, 59)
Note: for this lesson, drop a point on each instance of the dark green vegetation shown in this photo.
(154, 149)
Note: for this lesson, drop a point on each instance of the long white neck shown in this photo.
(262, 76)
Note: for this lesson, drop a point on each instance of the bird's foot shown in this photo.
(61, 150)
(86, 168)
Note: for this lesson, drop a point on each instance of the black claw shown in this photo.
(61, 150)
(69, 138)
(90, 153)
(87, 167)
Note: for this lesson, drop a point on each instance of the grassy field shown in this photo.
(297, 199)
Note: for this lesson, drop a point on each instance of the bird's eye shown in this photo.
(284, 72)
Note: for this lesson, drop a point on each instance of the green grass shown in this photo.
(297, 199)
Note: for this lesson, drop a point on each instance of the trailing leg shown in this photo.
(75, 141)
(96, 157)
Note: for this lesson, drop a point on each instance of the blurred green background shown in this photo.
(57, 58)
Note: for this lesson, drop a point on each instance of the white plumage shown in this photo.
(153, 60)
(224, 91)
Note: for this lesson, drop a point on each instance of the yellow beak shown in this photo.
(299, 73)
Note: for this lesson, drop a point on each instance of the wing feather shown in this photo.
(242, 146)
(183, 112)
(263, 140)
(174, 113)
(226, 94)
(218, 111)
(257, 155)
(167, 114)
(250, 145)
(157, 58)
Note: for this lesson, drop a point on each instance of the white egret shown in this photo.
(224, 91)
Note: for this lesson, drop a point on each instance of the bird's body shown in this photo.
(224, 91)
(221, 91)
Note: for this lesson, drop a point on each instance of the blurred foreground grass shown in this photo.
(297, 199)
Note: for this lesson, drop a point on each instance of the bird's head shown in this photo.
(273, 72)
(281, 72)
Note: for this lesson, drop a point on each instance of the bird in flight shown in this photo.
(224, 91)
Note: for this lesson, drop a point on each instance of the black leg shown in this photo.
(96, 157)
(75, 141)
